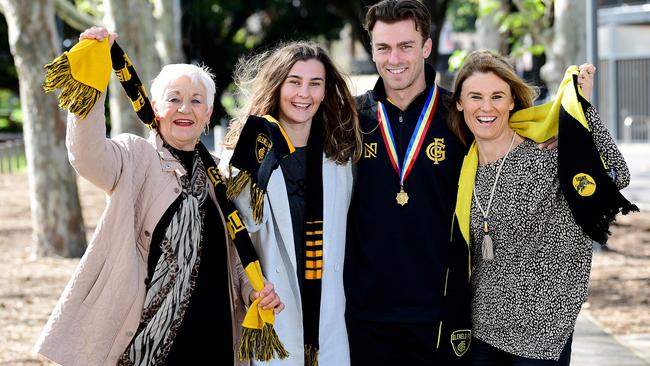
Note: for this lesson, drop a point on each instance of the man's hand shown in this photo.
(549, 144)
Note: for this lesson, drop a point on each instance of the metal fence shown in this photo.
(12, 155)
(625, 97)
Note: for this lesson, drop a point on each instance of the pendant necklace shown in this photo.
(488, 246)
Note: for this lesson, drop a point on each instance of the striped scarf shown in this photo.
(311, 290)
(172, 283)
(262, 144)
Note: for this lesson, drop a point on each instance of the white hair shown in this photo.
(172, 72)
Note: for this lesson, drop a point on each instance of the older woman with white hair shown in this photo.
(160, 270)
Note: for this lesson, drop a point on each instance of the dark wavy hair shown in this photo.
(260, 77)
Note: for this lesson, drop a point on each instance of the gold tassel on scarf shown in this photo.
(311, 356)
(236, 182)
(82, 74)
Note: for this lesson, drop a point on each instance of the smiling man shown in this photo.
(406, 285)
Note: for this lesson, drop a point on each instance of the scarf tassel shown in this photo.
(599, 232)
(311, 355)
(75, 96)
(261, 344)
(257, 202)
(237, 183)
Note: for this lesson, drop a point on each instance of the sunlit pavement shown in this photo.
(594, 347)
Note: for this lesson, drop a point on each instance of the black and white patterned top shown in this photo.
(527, 299)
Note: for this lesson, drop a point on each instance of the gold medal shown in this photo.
(412, 151)
(402, 197)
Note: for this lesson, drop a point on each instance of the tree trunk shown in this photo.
(133, 20)
(488, 28)
(438, 9)
(167, 15)
(73, 17)
(58, 227)
(568, 42)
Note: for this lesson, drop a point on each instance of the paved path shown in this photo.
(593, 347)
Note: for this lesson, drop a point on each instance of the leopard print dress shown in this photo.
(526, 300)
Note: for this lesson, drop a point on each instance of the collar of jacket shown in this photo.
(168, 162)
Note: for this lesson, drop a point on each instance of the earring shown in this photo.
(206, 129)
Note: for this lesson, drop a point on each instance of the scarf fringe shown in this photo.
(236, 184)
(75, 96)
(600, 230)
(257, 203)
(261, 344)
(311, 355)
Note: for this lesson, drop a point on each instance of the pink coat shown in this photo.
(100, 308)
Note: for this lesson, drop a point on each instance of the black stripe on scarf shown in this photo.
(132, 85)
(590, 192)
(312, 262)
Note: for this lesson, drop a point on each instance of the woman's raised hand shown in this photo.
(586, 79)
(98, 33)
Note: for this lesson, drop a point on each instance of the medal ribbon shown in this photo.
(417, 138)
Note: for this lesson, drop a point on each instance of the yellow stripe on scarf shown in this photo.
(259, 339)
(256, 316)
(270, 118)
(538, 123)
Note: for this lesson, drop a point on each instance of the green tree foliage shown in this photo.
(10, 116)
(8, 76)
(525, 23)
(463, 14)
(526, 18)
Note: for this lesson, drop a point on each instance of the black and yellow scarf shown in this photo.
(261, 146)
(593, 198)
(82, 74)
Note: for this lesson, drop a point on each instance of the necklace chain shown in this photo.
(486, 212)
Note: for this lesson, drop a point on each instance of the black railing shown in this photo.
(12, 156)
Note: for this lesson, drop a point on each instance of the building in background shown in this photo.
(624, 68)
